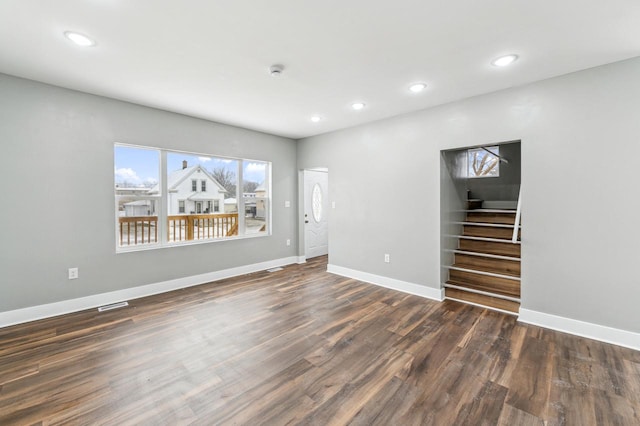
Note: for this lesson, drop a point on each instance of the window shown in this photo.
(256, 189)
(483, 162)
(136, 177)
(227, 187)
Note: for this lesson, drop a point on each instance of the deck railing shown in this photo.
(138, 230)
(134, 230)
(202, 226)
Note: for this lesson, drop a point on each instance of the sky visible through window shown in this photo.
(140, 167)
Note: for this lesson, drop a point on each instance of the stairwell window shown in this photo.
(483, 162)
(163, 207)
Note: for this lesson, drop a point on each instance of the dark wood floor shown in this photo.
(302, 346)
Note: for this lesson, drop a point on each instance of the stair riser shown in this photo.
(505, 305)
(486, 283)
(502, 249)
(498, 266)
(488, 232)
(502, 218)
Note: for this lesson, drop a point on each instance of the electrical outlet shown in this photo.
(287, 203)
(73, 273)
(288, 242)
(333, 204)
(387, 259)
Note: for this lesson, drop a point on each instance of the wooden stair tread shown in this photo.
(502, 269)
(482, 254)
(483, 300)
(500, 248)
(497, 218)
(489, 231)
(486, 224)
(495, 285)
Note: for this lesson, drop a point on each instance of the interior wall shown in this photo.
(58, 205)
(578, 246)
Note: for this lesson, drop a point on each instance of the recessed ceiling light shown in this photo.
(503, 61)
(357, 105)
(79, 39)
(316, 118)
(417, 87)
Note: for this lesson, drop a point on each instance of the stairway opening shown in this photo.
(481, 226)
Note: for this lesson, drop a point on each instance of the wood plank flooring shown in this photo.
(302, 346)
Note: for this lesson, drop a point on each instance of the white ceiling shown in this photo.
(210, 58)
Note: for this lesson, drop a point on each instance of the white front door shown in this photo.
(316, 235)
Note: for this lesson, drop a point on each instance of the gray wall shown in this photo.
(58, 203)
(504, 187)
(579, 246)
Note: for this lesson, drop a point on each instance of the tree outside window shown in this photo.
(483, 163)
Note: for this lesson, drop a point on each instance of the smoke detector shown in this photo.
(276, 70)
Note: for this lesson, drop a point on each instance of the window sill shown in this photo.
(157, 246)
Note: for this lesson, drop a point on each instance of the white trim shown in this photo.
(516, 223)
(479, 254)
(589, 330)
(493, 240)
(392, 283)
(33, 313)
(491, 308)
(488, 211)
(301, 260)
(479, 272)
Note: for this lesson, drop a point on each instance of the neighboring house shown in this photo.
(261, 205)
(254, 207)
(139, 208)
(231, 205)
(192, 190)
(128, 205)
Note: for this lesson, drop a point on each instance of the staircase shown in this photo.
(486, 269)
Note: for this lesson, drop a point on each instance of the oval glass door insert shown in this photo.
(316, 202)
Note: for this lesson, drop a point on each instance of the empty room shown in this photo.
(319, 213)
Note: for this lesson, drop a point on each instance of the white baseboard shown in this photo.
(589, 330)
(403, 286)
(33, 313)
(301, 260)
